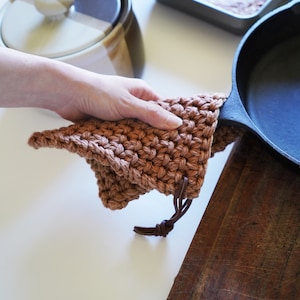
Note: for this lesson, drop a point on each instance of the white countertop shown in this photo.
(57, 241)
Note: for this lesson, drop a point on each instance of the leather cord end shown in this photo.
(181, 206)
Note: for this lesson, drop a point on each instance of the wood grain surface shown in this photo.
(247, 245)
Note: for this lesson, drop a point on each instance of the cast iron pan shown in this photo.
(265, 95)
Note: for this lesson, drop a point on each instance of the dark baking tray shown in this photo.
(236, 23)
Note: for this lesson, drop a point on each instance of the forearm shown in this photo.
(30, 81)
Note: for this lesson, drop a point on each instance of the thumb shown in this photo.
(154, 115)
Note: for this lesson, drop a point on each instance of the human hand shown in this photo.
(114, 98)
(74, 93)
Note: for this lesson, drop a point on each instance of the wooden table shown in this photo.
(247, 245)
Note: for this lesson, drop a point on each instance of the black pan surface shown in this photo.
(266, 90)
(273, 100)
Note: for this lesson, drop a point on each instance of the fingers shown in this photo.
(153, 114)
(138, 106)
(121, 97)
(140, 89)
(165, 120)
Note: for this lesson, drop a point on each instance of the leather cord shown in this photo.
(180, 205)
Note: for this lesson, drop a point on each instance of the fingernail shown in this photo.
(174, 121)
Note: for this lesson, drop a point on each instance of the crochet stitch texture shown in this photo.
(130, 158)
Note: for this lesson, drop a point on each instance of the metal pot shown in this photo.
(98, 35)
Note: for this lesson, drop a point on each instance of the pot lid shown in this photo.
(55, 28)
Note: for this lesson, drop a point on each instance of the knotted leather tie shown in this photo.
(130, 158)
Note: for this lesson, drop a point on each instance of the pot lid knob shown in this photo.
(53, 8)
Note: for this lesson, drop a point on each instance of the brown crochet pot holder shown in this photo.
(131, 158)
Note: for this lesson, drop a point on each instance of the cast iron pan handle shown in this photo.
(233, 112)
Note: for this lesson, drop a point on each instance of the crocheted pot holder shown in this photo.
(130, 158)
